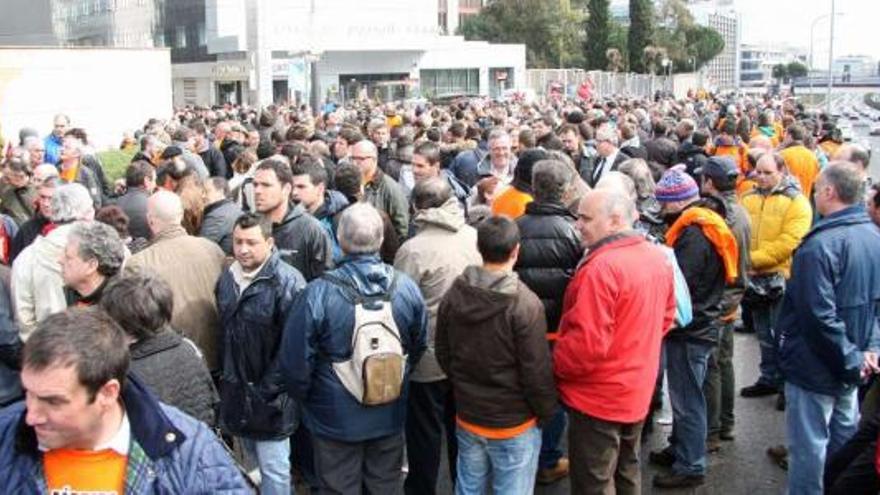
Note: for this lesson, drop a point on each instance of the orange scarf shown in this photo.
(716, 230)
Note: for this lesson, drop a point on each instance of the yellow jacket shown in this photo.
(779, 221)
(803, 164)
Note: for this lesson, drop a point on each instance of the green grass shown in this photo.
(115, 162)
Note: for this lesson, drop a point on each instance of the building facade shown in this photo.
(851, 67)
(723, 71)
(262, 51)
(757, 61)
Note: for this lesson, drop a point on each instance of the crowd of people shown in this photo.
(339, 296)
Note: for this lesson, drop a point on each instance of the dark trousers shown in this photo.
(851, 470)
(371, 466)
(430, 412)
(720, 387)
(604, 456)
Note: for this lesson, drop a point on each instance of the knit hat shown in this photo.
(676, 185)
(522, 174)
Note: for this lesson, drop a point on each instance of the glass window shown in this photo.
(203, 40)
(180, 37)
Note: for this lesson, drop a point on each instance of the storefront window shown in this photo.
(447, 82)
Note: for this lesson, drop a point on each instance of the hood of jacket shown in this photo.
(372, 277)
(48, 248)
(294, 211)
(334, 202)
(482, 295)
(448, 216)
(852, 215)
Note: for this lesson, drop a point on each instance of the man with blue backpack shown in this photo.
(352, 339)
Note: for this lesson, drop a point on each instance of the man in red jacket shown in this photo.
(608, 352)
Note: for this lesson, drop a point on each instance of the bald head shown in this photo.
(620, 182)
(761, 143)
(853, 153)
(604, 212)
(364, 155)
(164, 209)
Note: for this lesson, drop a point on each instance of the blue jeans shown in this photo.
(764, 321)
(512, 463)
(273, 459)
(686, 364)
(551, 437)
(816, 425)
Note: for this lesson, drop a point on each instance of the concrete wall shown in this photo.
(104, 91)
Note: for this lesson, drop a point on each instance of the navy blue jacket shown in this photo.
(830, 312)
(253, 402)
(318, 332)
(181, 455)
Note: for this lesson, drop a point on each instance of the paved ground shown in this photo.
(741, 467)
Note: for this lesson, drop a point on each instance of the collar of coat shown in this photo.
(169, 233)
(716, 231)
(150, 427)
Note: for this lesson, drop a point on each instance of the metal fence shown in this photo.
(543, 81)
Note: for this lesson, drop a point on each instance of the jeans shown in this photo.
(551, 438)
(686, 363)
(817, 426)
(604, 456)
(720, 386)
(430, 412)
(512, 463)
(764, 321)
(273, 459)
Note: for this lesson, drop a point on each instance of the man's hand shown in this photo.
(870, 365)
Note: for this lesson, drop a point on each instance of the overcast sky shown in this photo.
(856, 32)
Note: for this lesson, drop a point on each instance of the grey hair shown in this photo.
(431, 193)
(72, 202)
(360, 230)
(606, 133)
(844, 177)
(550, 180)
(498, 133)
(618, 181)
(637, 170)
(618, 204)
(100, 242)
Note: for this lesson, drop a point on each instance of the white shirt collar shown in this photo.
(120, 442)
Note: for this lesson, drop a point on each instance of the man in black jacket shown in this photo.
(695, 235)
(219, 215)
(213, 158)
(550, 248)
(299, 238)
(254, 297)
(497, 412)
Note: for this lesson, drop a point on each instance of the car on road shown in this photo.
(875, 130)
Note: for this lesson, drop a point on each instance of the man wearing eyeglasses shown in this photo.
(610, 156)
(380, 190)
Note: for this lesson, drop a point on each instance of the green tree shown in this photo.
(780, 71)
(551, 30)
(796, 69)
(688, 45)
(598, 30)
(618, 38)
(641, 31)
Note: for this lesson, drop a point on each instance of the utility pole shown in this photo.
(830, 63)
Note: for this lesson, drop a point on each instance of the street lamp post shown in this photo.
(830, 63)
(812, 30)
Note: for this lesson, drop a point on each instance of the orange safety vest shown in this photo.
(716, 230)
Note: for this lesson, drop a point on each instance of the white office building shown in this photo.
(758, 59)
(267, 49)
(722, 72)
